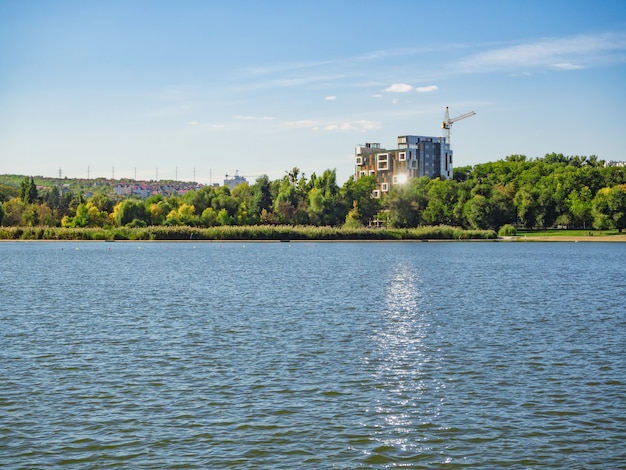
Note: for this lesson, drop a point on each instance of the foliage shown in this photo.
(609, 208)
(555, 190)
(507, 230)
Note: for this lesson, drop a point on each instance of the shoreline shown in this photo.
(510, 239)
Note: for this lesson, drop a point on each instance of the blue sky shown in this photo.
(261, 87)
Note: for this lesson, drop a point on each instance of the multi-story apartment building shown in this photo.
(415, 156)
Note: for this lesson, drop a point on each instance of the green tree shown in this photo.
(353, 219)
(442, 197)
(185, 214)
(46, 216)
(200, 198)
(526, 202)
(29, 215)
(28, 191)
(7, 192)
(609, 208)
(261, 196)
(361, 191)
(102, 202)
(13, 210)
(127, 210)
(479, 212)
(579, 203)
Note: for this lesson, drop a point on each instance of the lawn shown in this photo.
(566, 233)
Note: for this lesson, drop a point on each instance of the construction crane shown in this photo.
(447, 122)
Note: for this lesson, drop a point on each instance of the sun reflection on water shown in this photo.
(407, 362)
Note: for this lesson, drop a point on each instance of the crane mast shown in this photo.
(447, 122)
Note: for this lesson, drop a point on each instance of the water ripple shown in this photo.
(153, 355)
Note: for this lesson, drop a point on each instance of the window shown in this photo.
(372, 172)
(359, 160)
(383, 161)
(362, 173)
(376, 193)
(402, 156)
(384, 187)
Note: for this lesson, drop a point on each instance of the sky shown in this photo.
(198, 89)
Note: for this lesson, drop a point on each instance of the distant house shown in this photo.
(233, 181)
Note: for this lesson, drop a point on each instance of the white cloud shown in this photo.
(399, 88)
(330, 98)
(377, 95)
(426, 89)
(568, 53)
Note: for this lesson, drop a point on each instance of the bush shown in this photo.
(507, 230)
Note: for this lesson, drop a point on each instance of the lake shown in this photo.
(312, 355)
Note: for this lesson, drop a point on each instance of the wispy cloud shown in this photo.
(568, 53)
(567, 66)
(345, 126)
(330, 98)
(427, 89)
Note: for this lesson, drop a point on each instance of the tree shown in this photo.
(46, 216)
(29, 215)
(28, 191)
(361, 191)
(526, 202)
(609, 208)
(442, 198)
(102, 202)
(185, 214)
(478, 212)
(579, 203)
(128, 210)
(87, 215)
(13, 210)
(7, 192)
(261, 196)
(352, 219)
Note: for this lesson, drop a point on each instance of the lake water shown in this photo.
(312, 355)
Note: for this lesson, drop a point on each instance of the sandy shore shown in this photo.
(565, 238)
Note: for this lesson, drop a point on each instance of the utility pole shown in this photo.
(113, 173)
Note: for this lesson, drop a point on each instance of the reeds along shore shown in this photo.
(253, 232)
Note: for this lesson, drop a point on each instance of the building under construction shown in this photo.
(415, 156)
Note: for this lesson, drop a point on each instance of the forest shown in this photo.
(550, 191)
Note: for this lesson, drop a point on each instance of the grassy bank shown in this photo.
(253, 232)
(567, 233)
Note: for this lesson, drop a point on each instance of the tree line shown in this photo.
(554, 190)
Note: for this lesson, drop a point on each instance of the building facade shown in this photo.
(414, 157)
